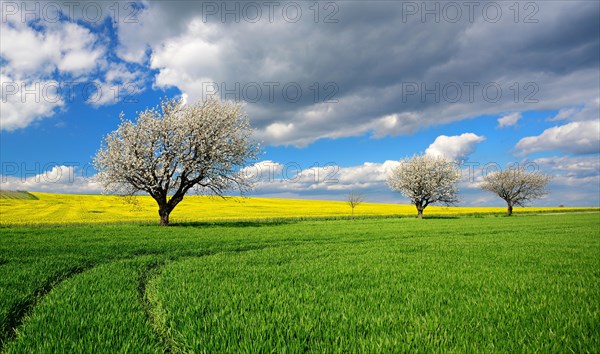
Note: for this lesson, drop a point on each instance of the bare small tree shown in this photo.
(173, 148)
(426, 180)
(516, 186)
(354, 199)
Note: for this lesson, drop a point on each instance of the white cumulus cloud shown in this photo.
(454, 148)
(59, 179)
(509, 120)
(32, 59)
(581, 137)
(589, 111)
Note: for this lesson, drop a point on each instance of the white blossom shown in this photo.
(173, 148)
(425, 180)
(516, 186)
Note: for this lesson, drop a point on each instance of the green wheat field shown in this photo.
(488, 283)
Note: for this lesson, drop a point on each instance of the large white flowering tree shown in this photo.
(516, 186)
(175, 147)
(426, 180)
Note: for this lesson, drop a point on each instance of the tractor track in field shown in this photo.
(20, 310)
(154, 310)
(151, 271)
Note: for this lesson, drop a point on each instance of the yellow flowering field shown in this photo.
(74, 208)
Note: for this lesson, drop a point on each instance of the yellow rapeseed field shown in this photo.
(72, 208)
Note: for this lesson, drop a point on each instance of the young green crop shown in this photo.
(97, 311)
(23, 283)
(460, 293)
(455, 284)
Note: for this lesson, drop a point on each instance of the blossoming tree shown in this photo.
(516, 186)
(426, 180)
(176, 147)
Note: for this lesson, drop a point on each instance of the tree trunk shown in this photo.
(420, 208)
(352, 213)
(164, 212)
(509, 209)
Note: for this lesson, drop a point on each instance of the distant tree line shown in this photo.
(426, 180)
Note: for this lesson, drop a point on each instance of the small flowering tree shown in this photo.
(173, 148)
(516, 186)
(426, 180)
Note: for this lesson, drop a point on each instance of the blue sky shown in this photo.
(380, 81)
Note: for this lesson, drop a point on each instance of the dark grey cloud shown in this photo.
(373, 54)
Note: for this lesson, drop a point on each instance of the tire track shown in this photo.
(153, 308)
(22, 309)
(152, 271)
